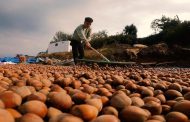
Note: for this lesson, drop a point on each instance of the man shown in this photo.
(81, 37)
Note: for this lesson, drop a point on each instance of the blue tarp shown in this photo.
(16, 60)
(10, 59)
(31, 60)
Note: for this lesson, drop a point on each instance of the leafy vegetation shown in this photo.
(168, 30)
(60, 36)
(129, 36)
(159, 25)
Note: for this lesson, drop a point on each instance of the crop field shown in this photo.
(44, 93)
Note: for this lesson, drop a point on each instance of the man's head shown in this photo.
(87, 22)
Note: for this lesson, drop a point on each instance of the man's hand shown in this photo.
(87, 44)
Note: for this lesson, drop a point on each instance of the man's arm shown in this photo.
(89, 34)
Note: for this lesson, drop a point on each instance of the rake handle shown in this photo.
(100, 54)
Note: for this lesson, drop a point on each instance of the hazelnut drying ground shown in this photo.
(37, 93)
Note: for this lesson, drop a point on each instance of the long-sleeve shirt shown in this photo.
(82, 34)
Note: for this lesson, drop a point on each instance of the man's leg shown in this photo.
(81, 51)
(75, 51)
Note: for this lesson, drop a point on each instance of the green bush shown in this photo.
(152, 39)
(179, 35)
(175, 34)
(117, 39)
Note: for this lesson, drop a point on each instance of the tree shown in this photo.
(99, 39)
(178, 35)
(164, 23)
(130, 30)
(60, 36)
(100, 34)
(130, 33)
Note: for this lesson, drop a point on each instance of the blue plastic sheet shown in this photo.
(31, 60)
(16, 60)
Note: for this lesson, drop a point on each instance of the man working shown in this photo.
(81, 36)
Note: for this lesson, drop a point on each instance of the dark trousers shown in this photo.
(77, 50)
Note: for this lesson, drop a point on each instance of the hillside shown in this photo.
(138, 53)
